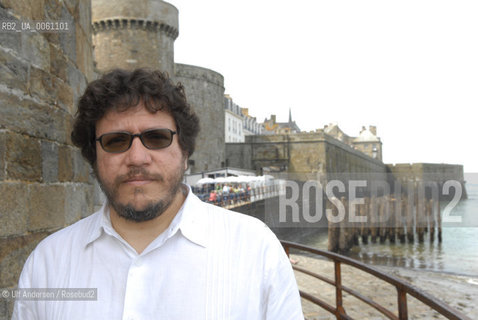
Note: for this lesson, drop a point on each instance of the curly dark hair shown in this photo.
(120, 90)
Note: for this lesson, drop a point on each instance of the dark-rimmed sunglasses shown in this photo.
(117, 142)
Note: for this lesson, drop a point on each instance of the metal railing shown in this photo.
(403, 288)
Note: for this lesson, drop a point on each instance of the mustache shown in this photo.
(138, 172)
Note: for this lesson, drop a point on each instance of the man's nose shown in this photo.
(138, 154)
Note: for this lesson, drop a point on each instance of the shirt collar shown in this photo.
(96, 227)
(194, 222)
(191, 219)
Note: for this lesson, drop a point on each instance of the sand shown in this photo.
(459, 292)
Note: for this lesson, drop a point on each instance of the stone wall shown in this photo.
(429, 172)
(44, 182)
(436, 171)
(133, 34)
(317, 155)
(303, 153)
(205, 92)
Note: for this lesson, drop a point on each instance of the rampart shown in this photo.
(438, 173)
(303, 154)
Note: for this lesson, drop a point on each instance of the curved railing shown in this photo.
(403, 288)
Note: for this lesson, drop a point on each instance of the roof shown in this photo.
(367, 136)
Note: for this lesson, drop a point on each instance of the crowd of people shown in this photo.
(225, 194)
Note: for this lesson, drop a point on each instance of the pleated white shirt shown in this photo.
(210, 263)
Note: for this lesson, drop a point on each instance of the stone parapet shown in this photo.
(199, 74)
(142, 10)
(123, 23)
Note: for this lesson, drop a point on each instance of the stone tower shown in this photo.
(205, 92)
(132, 34)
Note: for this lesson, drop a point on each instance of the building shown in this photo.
(366, 142)
(271, 126)
(238, 122)
(333, 130)
(251, 126)
(369, 143)
(234, 121)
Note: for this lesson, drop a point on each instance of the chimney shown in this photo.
(373, 129)
(363, 129)
(273, 118)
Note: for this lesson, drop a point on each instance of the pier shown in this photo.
(385, 219)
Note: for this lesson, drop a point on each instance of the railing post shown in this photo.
(339, 311)
(402, 304)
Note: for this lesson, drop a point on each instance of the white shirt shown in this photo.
(209, 264)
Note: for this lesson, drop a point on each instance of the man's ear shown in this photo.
(186, 163)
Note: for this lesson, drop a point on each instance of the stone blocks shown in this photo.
(81, 168)
(44, 182)
(13, 219)
(23, 162)
(59, 62)
(49, 156)
(47, 207)
(80, 205)
(13, 253)
(3, 151)
(36, 50)
(13, 71)
(65, 164)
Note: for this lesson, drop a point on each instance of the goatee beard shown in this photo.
(152, 209)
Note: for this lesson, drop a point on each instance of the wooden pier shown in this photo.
(385, 218)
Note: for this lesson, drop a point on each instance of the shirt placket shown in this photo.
(134, 290)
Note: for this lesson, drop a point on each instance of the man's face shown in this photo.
(139, 183)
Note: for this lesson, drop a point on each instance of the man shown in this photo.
(154, 250)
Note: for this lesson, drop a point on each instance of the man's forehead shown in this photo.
(123, 107)
(139, 115)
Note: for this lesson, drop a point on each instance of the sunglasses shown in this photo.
(117, 142)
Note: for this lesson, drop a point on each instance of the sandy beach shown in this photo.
(459, 292)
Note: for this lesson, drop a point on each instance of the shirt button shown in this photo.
(138, 263)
